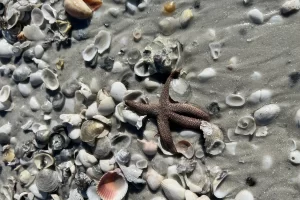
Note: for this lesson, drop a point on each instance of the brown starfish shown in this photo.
(166, 110)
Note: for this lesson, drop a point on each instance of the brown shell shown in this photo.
(169, 7)
(91, 129)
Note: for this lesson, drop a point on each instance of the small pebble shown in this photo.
(256, 16)
(36, 78)
(256, 76)
(266, 114)
(290, 7)
(276, 19)
(207, 74)
(169, 6)
(185, 18)
(58, 101)
(142, 6)
(25, 89)
(131, 8)
(117, 67)
(21, 73)
(34, 104)
(38, 51)
(117, 91)
(69, 87)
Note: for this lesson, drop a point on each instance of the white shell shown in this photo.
(297, 118)
(72, 119)
(293, 144)
(207, 74)
(235, 100)
(153, 179)
(180, 90)
(34, 104)
(245, 126)
(149, 147)
(37, 17)
(6, 50)
(173, 190)
(86, 159)
(33, 32)
(189, 195)
(266, 114)
(89, 53)
(144, 68)
(106, 103)
(40, 63)
(203, 197)
(215, 49)
(91, 111)
(142, 164)
(151, 84)
(244, 195)
(25, 89)
(260, 96)
(5, 94)
(133, 118)
(185, 148)
(74, 133)
(256, 16)
(168, 25)
(172, 173)
(38, 51)
(117, 91)
(36, 78)
(106, 165)
(49, 79)
(294, 157)
(49, 13)
(102, 41)
(290, 6)
(91, 193)
(262, 131)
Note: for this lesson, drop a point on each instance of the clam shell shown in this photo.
(49, 13)
(43, 160)
(102, 41)
(266, 114)
(103, 148)
(235, 100)
(37, 17)
(185, 148)
(106, 104)
(26, 178)
(89, 53)
(133, 118)
(244, 195)
(120, 141)
(91, 129)
(5, 94)
(49, 79)
(47, 180)
(245, 126)
(33, 32)
(118, 91)
(293, 144)
(153, 179)
(173, 190)
(112, 186)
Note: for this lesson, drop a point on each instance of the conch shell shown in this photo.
(82, 9)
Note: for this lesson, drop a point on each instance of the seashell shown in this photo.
(36, 78)
(91, 193)
(162, 149)
(290, 6)
(203, 197)
(82, 181)
(133, 56)
(40, 63)
(297, 118)
(112, 185)
(103, 148)
(144, 68)
(47, 180)
(24, 195)
(42, 136)
(69, 87)
(185, 148)
(235, 100)
(260, 96)
(102, 41)
(149, 147)
(214, 144)
(49, 79)
(5, 94)
(256, 16)
(106, 104)
(85, 159)
(218, 190)
(106, 165)
(21, 73)
(172, 173)
(142, 164)
(90, 130)
(293, 144)
(38, 51)
(180, 90)
(34, 104)
(185, 18)
(245, 126)
(49, 13)
(75, 195)
(294, 156)
(58, 141)
(190, 195)
(215, 49)
(150, 84)
(89, 53)
(92, 111)
(58, 101)
(186, 166)
(173, 190)
(122, 156)
(168, 25)
(37, 17)
(153, 179)
(158, 198)
(81, 9)
(133, 118)
(199, 153)
(6, 50)
(188, 133)
(160, 164)
(43, 160)
(117, 91)
(37, 193)
(25, 178)
(266, 114)
(120, 141)
(33, 32)
(25, 89)
(207, 74)
(262, 131)
(132, 174)
(244, 195)
(231, 147)
(8, 154)
(7, 70)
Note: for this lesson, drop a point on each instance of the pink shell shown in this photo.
(112, 185)
(185, 148)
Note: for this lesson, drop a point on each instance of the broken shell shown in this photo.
(294, 157)
(245, 126)
(49, 79)
(185, 148)
(43, 160)
(33, 32)
(59, 139)
(5, 94)
(235, 100)
(91, 129)
(85, 159)
(173, 190)
(153, 179)
(91, 193)
(133, 56)
(118, 91)
(266, 114)
(149, 147)
(293, 144)
(213, 135)
(144, 67)
(215, 49)
(133, 118)
(172, 173)
(106, 165)
(37, 17)
(49, 13)
(72, 119)
(132, 174)
(112, 185)
(21, 73)
(8, 154)
(26, 178)
(82, 181)
(262, 131)
(102, 41)
(47, 180)
(122, 156)
(120, 141)
(103, 148)
(106, 104)
(190, 195)
(89, 53)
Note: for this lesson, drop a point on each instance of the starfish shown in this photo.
(166, 111)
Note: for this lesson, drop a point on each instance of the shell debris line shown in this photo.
(156, 100)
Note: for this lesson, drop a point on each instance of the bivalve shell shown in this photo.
(26, 178)
(37, 17)
(244, 195)
(47, 180)
(49, 13)
(266, 114)
(294, 157)
(185, 148)
(43, 160)
(89, 53)
(49, 79)
(173, 190)
(5, 94)
(235, 100)
(91, 129)
(102, 41)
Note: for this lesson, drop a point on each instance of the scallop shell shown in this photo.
(50, 79)
(37, 17)
(214, 143)
(26, 178)
(235, 100)
(185, 148)
(90, 130)
(112, 186)
(43, 160)
(120, 141)
(5, 94)
(49, 13)
(102, 41)
(173, 190)
(245, 126)
(47, 180)
(89, 53)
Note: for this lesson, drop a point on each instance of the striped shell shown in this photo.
(47, 180)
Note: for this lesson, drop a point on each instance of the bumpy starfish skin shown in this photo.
(167, 110)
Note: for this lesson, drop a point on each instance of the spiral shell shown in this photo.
(245, 126)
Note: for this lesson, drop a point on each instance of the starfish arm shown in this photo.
(190, 110)
(165, 133)
(164, 97)
(184, 121)
(142, 108)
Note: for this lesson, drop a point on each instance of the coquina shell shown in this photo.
(245, 126)
(91, 129)
(50, 79)
(112, 186)
(47, 180)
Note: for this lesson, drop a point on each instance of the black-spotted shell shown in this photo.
(47, 180)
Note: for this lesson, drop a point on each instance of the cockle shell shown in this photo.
(43, 160)
(245, 126)
(47, 180)
(49, 79)
(102, 41)
(112, 186)
(91, 129)
(49, 13)
(37, 17)
(153, 179)
(173, 190)
(81, 9)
